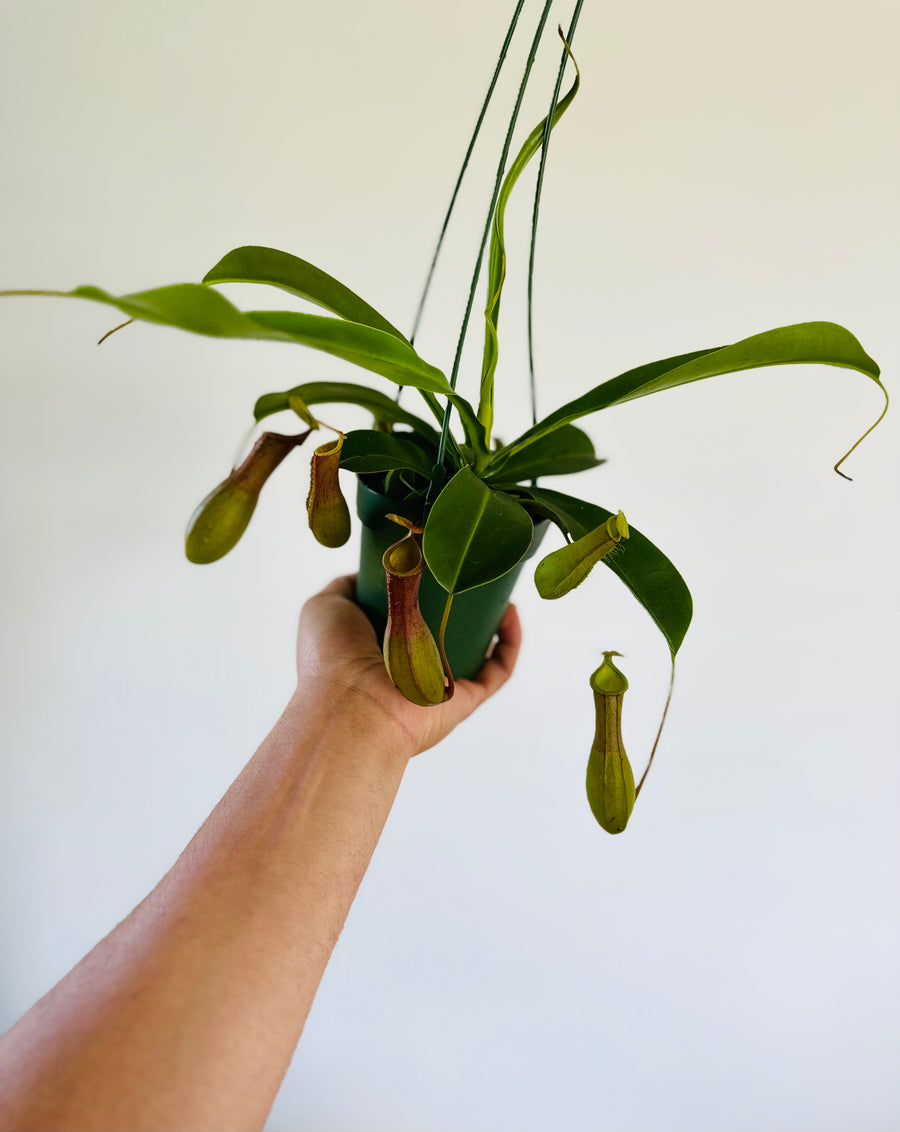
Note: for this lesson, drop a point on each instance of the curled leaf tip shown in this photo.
(326, 508)
(109, 333)
(871, 428)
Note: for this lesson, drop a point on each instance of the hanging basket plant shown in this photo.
(450, 516)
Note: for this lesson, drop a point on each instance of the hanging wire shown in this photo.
(459, 179)
(442, 446)
(545, 145)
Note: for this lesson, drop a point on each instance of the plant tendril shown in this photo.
(442, 446)
(545, 144)
(121, 326)
(662, 721)
(440, 240)
(871, 428)
(465, 164)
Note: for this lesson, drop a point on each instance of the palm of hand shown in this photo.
(338, 654)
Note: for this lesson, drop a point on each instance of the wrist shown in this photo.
(350, 720)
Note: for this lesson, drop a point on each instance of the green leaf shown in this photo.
(362, 345)
(365, 452)
(187, 306)
(559, 453)
(474, 534)
(822, 343)
(199, 309)
(497, 253)
(644, 569)
(384, 409)
(472, 427)
(295, 275)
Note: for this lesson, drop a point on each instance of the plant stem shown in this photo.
(487, 227)
(545, 145)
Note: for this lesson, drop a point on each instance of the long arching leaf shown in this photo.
(559, 453)
(384, 409)
(365, 451)
(201, 310)
(371, 349)
(253, 264)
(823, 343)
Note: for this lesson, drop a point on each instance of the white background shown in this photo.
(727, 964)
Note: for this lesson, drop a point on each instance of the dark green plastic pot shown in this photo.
(475, 614)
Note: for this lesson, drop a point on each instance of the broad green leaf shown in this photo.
(559, 453)
(384, 409)
(362, 345)
(823, 343)
(186, 306)
(290, 273)
(199, 309)
(474, 534)
(366, 451)
(497, 253)
(644, 569)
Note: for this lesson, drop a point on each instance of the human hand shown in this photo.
(339, 661)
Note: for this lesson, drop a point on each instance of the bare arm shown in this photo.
(187, 1014)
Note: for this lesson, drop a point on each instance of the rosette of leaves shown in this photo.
(480, 499)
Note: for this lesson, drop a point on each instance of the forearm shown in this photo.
(187, 1014)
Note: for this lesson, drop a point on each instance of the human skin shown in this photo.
(187, 1014)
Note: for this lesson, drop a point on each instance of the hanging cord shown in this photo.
(459, 179)
(545, 145)
(442, 446)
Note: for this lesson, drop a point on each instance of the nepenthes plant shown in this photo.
(449, 513)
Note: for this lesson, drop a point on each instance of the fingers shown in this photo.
(333, 630)
(332, 609)
(344, 587)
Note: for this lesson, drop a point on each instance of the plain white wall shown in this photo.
(730, 961)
